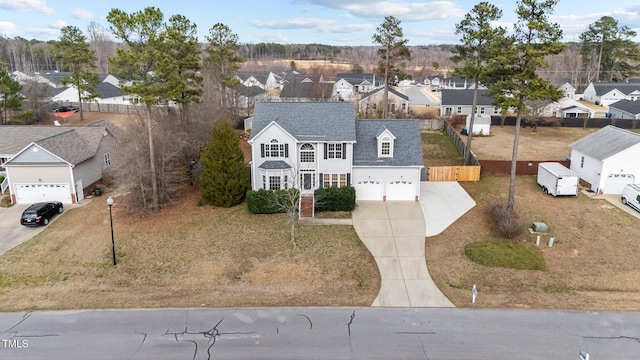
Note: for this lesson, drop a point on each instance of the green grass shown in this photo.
(439, 150)
(511, 255)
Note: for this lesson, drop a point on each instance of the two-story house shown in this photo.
(309, 145)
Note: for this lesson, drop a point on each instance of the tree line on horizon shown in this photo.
(595, 56)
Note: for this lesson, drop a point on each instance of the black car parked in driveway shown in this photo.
(40, 213)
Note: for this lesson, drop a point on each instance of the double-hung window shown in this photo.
(334, 151)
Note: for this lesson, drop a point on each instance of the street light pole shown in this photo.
(113, 242)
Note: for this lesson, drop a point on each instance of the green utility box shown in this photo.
(540, 227)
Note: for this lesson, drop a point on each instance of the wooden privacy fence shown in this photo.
(503, 167)
(453, 173)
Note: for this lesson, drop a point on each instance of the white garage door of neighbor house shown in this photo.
(401, 190)
(369, 190)
(32, 193)
(617, 182)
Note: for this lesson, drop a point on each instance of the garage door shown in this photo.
(32, 193)
(369, 190)
(401, 190)
(616, 182)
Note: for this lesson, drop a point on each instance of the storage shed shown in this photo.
(481, 124)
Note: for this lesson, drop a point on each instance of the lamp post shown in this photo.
(113, 242)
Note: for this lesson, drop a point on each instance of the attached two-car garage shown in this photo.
(393, 190)
(32, 193)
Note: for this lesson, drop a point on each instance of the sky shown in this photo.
(330, 22)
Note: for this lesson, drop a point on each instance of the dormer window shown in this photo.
(385, 143)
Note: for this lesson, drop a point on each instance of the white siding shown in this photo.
(596, 172)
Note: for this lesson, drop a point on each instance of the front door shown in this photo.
(307, 181)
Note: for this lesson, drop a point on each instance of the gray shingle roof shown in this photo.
(624, 87)
(606, 142)
(407, 149)
(308, 121)
(108, 90)
(391, 90)
(357, 78)
(274, 165)
(632, 107)
(307, 90)
(464, 97)
(73, 144)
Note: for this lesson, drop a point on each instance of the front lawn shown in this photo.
(185, 256)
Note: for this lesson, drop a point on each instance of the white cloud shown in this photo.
(296, 23)
(8, 29)
(349, 28)
(57, 25)
(403, 10)
(42, 33)
(82, 14)
(273, 37)
(26, 5)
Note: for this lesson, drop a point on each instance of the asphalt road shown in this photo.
(417, 97)
(319, 333)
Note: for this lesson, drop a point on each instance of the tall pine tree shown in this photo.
(225, 179)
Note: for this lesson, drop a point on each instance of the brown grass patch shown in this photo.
(548, 143)
(592, 265)
(185, 256)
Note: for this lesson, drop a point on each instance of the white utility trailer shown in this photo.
(556, 179)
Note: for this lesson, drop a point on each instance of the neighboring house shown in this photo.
(625, 109)
(568, 90)
(607, 159)
(433, 80)
(361, 83)
(56, 163)
(247, 97)
(343, 90)
(567, 108)
(606, 93)
(454, 82)
(309, 145)
(460, 102)
(372, 103)
(564, 85)
(307, 91)
(265, 80)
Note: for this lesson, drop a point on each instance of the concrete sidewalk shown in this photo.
(394, 234)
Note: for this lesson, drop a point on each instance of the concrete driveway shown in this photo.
(443, 202)
(394, 234)
(615, 200)
(13, 234)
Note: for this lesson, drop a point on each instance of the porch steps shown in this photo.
(306, 206)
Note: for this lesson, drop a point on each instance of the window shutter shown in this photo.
(325, 150)
(286, 150)
(261, 150)
(348, 179)
(344, 150)
(321, 180)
